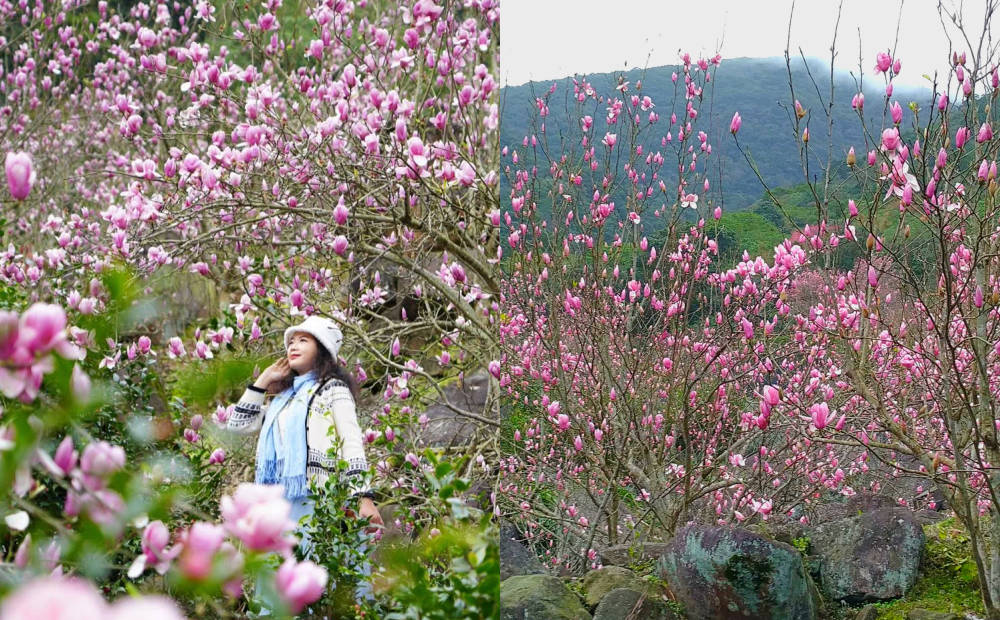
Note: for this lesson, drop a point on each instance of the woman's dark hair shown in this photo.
(325, 367)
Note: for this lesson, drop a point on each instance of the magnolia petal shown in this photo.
(17, 521)
(138, 566)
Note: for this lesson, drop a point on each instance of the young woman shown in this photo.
(312, 411)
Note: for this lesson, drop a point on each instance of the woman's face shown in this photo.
(302, 351)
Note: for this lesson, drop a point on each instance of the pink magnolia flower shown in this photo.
(218, 457)
(200, 544)
(99, 461)
(771, 395)
(150, 607)
(21, 174)
(300, 583)
(176, 348)
(65, 457)
(985, 133)
(820, 414)
(882, 62)
(259, 516)
(55, 598)
(734, 125)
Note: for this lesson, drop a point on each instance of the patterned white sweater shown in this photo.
(331, 417)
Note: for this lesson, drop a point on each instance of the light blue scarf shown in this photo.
(283, 460)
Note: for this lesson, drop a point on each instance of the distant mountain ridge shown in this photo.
(754, 87)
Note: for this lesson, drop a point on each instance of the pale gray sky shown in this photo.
(551, 39)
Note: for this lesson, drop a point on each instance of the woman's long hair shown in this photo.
(325, 367)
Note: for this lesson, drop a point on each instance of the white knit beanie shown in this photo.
(323, 330)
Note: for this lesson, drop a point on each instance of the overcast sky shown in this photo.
(551, 39)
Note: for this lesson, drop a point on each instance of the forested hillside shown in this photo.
(758, 89)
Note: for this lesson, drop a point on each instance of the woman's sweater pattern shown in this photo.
(332, 417)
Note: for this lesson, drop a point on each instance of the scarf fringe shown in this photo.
(295, 486)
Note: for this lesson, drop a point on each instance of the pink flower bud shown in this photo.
(771, 395)
(820, 413)
(340, 245)
(494, 368)
(65, 457)
(340, 214)
(21, 174)
(734, 125)
(155, 539)
(218, 457)
(197, 421)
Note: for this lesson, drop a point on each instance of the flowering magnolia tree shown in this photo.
(632, 361)
(184, 181)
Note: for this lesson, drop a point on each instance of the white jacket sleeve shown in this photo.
(248, 416)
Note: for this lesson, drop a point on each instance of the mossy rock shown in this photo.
(599, 582)
(869, 558)
(539, 597)
(721, 573)
(626, 604)
(924, 614)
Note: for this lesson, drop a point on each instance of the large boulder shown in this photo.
(626, 604)
(539, 597)
(516, 558)
(599, 582)
(623, 555)
(445, 428)
(722, 573)
(869, 558)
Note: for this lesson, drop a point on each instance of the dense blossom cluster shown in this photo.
(339, 163)
(660, 384)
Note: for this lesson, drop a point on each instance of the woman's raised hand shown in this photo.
(273, 373)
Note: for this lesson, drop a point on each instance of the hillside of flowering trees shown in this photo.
(183, 181)
(648, 384)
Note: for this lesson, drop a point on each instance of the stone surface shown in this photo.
(539, 597)
(619, 555)
(599, 582)
(868, 612)
(626, 604)
(721, 573)
(869, 558)
(445, 428)
(515, 558)
(923, 614)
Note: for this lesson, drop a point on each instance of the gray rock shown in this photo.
(924, 614)
(625, 604)
(516, 558)
(445, 428)
(721, 573)
(624, 555)
(855, 506)
(539, 597)
(599, 582)
(869, 558)
(868, 612)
